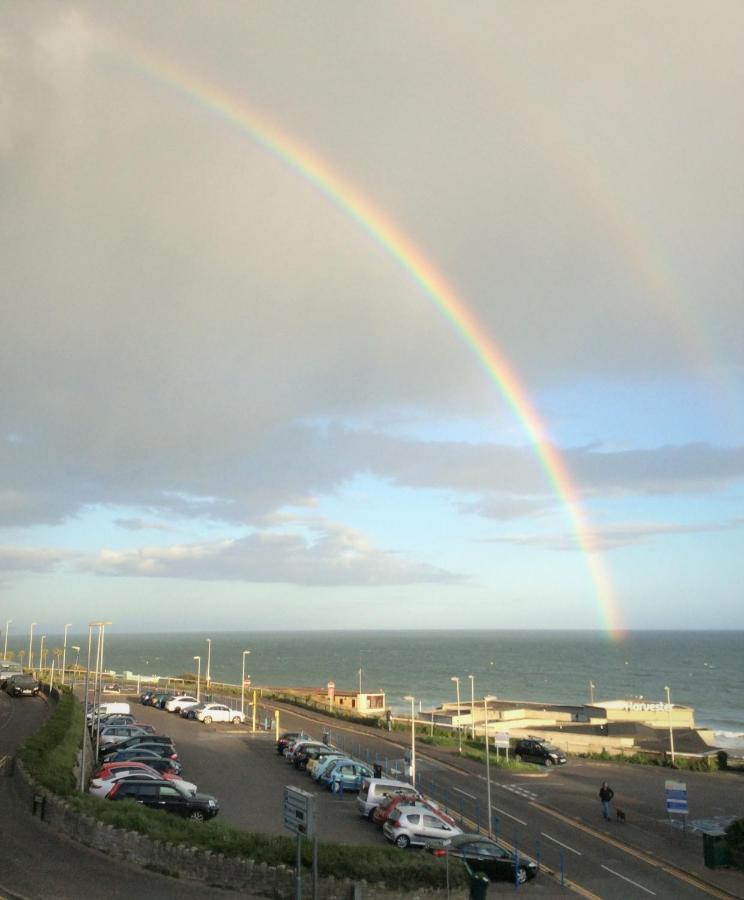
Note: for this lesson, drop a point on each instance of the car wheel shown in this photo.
(177, 710)
(371, 814)
(207, 720)
(521, 875)
(402, 841)
(548, 763)
(236, 720)
(198, 816)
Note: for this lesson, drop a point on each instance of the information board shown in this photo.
(676, 797)
(299, 811)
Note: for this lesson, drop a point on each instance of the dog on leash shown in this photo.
(620, 815)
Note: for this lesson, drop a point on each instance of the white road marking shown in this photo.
(509, 815)
(634, 883)
(560, 843)
(464, 792)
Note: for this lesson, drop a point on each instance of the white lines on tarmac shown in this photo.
(521, 791)
(560, 843)
(464, 792)
(509, 815)
(634, 883)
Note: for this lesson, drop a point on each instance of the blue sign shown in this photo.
(676, 797)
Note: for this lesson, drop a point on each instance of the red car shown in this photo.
(382, 812)
(104, 771)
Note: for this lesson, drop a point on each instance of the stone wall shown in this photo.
(189, 862)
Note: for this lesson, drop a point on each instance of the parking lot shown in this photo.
(248, 777)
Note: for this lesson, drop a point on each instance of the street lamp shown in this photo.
(671, 730)
(31, 645)
(459, 730)
(5, 650)
(198, 676)
(91, 626)
(413, 738)
(74, 671)
(472, 706)
(592, 685)
(242, 683)
(64, 651)
(209, 661)
(41, 654)
(488, 762)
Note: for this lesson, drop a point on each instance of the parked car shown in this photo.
(143, 739)
(345, 775)
(107, 768)
(191, 711)
(292, 751)
(102, 784)
(8, 668)
(22, 685)
(301, 756)
(536, 750)
(167, 796)
(159, 700)
(486, 856)
(116, 719)
(165, 750)
(115, 734)
(218, 712)
(384, 810)
(146, 696)
(180, 702)
(112, 688)
(323, 763)
(315, 762)
(413, 825)
(375, 791)
(286, 738)
(162, 764)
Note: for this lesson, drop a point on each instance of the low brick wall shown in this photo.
(185, 862)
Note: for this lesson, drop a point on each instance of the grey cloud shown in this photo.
(31, 559)
(337, 556)
(143, 525)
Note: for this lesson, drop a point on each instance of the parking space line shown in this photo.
(505, 813)
(560, 843)
(459, 791)
(629, 880)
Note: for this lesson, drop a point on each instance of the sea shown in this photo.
(703, 669)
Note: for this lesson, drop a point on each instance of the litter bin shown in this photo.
(716, 851)
(478, 885)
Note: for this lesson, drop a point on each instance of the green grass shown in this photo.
(50, 755)
(697, 764)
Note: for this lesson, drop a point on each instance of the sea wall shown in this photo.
(189, 862)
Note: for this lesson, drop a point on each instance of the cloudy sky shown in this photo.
(224, 402)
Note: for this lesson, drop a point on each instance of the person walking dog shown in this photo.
(605, 795)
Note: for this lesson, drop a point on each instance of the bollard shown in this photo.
(563, 869)
(477, 817)
(516, 868)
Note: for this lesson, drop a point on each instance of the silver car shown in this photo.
(415, 825)
(113, 734)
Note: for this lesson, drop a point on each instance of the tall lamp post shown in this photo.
(74, 671)
(5, 649)
(100, 626)
(459, 730)
(209, 661)
(68, 626)
(41, 654)
(488, 762)
(31, 645)
(198, 677)
(472, 706)
(592, 685)
(413, 738)
(242, 683)
(671, 730)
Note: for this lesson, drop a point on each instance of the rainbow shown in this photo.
(402, 249)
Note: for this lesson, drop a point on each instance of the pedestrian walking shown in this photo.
(605, 795)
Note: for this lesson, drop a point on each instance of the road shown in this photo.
(555, 815)
(39, 864)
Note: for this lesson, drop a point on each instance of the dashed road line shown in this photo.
(509, 815)
(460, 791)
(629, 880)
(520, 791)
(560, 843)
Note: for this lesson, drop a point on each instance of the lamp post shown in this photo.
(41, 654)
(31, 645)
(413, 738)
(592, 685)
(91, 626)
(472, 706)
(74, 671)
(459, 730)
(68, 626)
(209, 662)
(488, 763)
(198, 677)
(99, 676)
(671, 730)
(5, 649)
(242, 683)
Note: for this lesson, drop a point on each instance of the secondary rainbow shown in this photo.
(401, 248)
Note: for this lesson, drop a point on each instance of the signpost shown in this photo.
(299, 817)
(676, 800)
(501, 742)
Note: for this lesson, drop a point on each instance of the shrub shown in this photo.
(50, 753)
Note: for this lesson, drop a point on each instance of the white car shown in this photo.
(218, 712)
(100, 787)
(177, 704)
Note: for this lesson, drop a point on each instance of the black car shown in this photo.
(167, 796)
(137, 739)
(287, 738)
(535, 750)
(159, 763)
(484, 855)
(157, 749)
(145, 697)
(20, 685)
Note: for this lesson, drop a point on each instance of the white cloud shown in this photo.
(31, 559)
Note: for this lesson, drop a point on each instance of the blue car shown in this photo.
(345, 775)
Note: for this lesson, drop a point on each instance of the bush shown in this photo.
(51, 752)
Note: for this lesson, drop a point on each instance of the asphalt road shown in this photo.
(555, 814)
(38, 864)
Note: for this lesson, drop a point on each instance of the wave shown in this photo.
(729, 739)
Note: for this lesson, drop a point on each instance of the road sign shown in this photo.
(676, 797)
(501, 740)
(299, 811)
